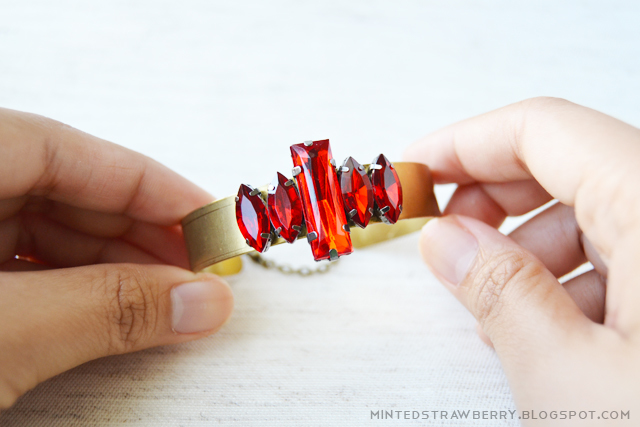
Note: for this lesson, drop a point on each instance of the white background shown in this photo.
(218, 91)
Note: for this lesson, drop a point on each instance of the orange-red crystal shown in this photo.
(252, 218)
(285, 208)
(387, 191)
(321, 199)
(356, 192)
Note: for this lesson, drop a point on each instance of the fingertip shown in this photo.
(448, 248)
(201, 307)
(412, 151)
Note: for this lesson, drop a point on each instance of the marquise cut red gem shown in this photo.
(356, 192)
(285, 208)
(321, 200)
(387, 191)
(252, 218)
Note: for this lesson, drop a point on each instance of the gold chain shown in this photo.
(287, 269)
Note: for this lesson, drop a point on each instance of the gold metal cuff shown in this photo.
(212, 235)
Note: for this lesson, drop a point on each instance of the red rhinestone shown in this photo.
(356, 192)
(253, 221)
(321, 199)
(285, 208)
(387, 191)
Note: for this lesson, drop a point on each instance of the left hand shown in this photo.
(102, 267)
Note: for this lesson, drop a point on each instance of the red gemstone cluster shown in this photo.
(327, 198)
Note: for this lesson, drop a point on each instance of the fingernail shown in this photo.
(448, 249)
(200, 306)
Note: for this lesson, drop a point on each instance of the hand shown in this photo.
(74, 208)
(571, 347)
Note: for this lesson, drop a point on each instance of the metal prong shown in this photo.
(400, 208)
(333, 255)
(346, 228)
(371, 211)
(288, 183)
(237, 198)
(254, 192)
(333, 162)
(247, 242)
(361, 167)
(277, 231)
(312, 236)
(296, 227)
(296, 171)
(374, 166)
(385, 210)
(343, 169)
(265, 235)
(352, 213)
(308, 143)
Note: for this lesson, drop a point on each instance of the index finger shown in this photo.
(582, 157)
(42, 157)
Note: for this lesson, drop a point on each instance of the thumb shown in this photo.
(55, 320)
(519, 304)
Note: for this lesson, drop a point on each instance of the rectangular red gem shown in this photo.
(321, 199)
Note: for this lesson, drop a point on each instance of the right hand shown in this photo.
(571, 347)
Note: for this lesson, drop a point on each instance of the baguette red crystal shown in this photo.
(322, 203)
(387, 191)
(285, 208)
(252, 218)
(356, 192)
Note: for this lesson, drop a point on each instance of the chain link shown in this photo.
(287, 269)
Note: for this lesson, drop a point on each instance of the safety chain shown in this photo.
(287, 269)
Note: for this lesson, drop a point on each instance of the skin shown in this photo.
(564, 347)
(96, 229)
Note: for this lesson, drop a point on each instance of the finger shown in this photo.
(162, 242)
(553, 236)
(588, 290)
(59, 246)
(10, 207)
(491, 203)
(95, 223)
(483, 337)
(502, 284)
(66, 317)
(16, 264)
(9, 236)
(523, 309)
(39, 156)
(534, 139)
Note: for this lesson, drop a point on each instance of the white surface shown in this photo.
(199, 85)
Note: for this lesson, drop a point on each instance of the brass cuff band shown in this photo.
(212, 234)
